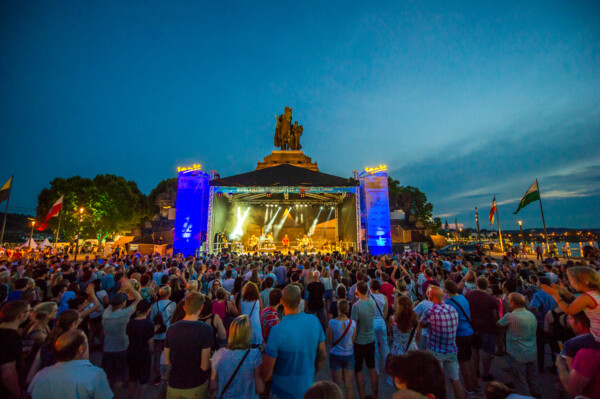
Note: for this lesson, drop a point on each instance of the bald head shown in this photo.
(517, 300)
(70, 346)
(290, 297)
(436, 295)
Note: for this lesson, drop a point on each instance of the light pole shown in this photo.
(78, 230)
(31, 235)
(522, 236)
(477, 219)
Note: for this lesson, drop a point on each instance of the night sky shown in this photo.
(461, 99)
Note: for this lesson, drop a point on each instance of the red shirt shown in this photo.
(387, 289)
(587, 364)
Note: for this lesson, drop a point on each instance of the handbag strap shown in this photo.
(234, 373)
(378, 308)
(463, 312)
(343, 334)
(412, 334)
(252, 311)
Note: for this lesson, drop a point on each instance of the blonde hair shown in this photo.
(192, 285)
(44, 309)
(240, 333)
(135, 284)
(585, 276)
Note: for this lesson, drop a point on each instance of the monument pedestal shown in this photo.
(295, 158)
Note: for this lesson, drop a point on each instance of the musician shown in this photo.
(286, 242)
(270, 237)
(253, 242)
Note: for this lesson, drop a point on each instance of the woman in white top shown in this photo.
(251, 305)
(381, 304)
(342, 332)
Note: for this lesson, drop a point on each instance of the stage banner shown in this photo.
(375, 212)
(285, 189)
(191, 216)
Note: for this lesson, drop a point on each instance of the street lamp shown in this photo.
(78, 231)
(521, 227)
(31, 235)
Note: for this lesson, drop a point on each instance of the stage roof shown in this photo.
(284, 175)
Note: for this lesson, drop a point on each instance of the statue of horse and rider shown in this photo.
(287, 136)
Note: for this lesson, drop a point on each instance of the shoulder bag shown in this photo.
(343, 334)
(234, 374)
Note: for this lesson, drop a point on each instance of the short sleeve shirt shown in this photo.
(294, 343)
(587, 364)
(484, 310)
(363, 313)
(225, 361)
(115, 324)
(186, 340)
(443, 324)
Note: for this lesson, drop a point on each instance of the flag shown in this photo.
(56, 208)
(5, 190)
(493, 211)
(533, 194)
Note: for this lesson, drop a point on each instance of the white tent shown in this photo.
(26, 245)
(45, 244)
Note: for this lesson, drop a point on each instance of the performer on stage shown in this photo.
(286, 242)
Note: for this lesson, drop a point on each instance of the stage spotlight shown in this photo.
(237, 231)
(311, 230)
(269, 226)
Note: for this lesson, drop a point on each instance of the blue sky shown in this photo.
(461, 99)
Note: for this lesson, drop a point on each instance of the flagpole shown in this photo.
(58, 230)
(6, 209)
(499, 230)
(543, 221)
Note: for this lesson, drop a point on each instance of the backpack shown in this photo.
(159, 321)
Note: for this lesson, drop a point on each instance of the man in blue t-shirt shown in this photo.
(292, 348)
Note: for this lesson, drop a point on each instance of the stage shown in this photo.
(286, 204)
(258, 211)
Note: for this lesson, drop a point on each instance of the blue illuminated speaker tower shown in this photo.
(192, 212)
(375, 212)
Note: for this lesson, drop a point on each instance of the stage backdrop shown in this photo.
(375, 211)
(192, 211)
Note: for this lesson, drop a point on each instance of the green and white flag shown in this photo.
(533, 194)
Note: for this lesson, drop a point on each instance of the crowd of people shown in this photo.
(263, 325)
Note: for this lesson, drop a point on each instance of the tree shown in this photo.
(413, 202)
(111, 204)
(168, 186)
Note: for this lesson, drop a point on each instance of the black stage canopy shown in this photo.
(284, 175)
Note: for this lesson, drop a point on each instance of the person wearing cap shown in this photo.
(114, 321)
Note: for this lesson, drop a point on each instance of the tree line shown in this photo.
(113, 204)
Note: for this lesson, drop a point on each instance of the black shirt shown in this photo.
(316, 290)
(10, 351)
(139, 332)
(186, 340)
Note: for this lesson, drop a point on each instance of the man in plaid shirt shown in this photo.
(442, 321)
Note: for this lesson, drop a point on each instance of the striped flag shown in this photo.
(5, 190)
(56, 208)
(532, 195)
(493, 211)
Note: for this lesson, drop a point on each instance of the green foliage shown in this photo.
(165, 186)
(413, 202)
(111, 204)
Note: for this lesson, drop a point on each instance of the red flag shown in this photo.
(56, 208)
(492, 212)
